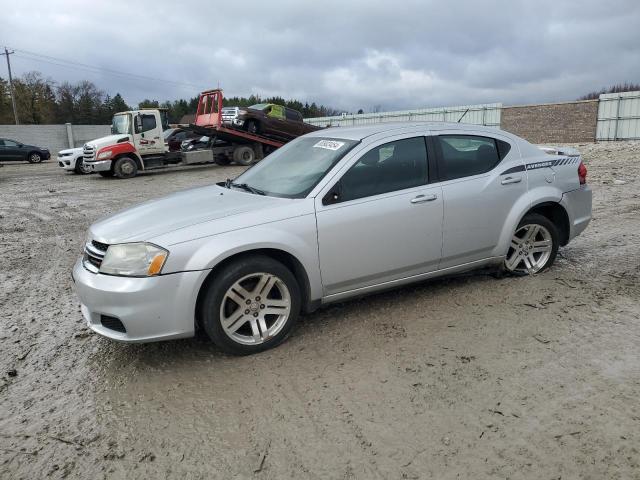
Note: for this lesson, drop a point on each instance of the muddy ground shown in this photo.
(469, 377)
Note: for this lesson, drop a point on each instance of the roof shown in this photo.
(363, 131)
(187, 119)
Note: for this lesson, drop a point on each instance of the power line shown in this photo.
(27, 55)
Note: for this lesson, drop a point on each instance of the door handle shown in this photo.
(509, 180)
(424, 198)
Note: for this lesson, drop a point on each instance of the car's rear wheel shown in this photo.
(253, 127)
(81, 167)
(34, 157)
(125, 167)
(534, 246)
(244, 155)
(251, 305)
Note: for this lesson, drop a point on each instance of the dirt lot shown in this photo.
(470, 377)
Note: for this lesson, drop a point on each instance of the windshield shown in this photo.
(167, 133)
(294, 169)
(121, 124)
(259, 106)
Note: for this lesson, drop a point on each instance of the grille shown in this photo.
(88, 152)
(93, 254)
(112, 323)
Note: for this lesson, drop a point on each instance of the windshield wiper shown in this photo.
(246, 187)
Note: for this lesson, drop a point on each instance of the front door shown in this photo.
(148, 137)
(482, 178)
(381, 221)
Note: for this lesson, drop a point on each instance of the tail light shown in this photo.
(582, 174)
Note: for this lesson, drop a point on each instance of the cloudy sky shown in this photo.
(346, 54)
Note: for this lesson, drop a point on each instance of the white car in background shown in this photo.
(72, 160)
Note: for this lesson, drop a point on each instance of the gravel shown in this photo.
(471, 376)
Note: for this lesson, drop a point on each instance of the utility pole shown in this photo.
(13, 95)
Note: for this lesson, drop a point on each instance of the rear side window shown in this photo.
(386, 168)
(468, 155)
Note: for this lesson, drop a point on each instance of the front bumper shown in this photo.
(100, 166)
(578, 203)
(68, 163)
(151, 309)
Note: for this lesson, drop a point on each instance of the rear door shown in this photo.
(482, 177)
(382, 220)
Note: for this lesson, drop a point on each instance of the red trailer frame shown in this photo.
(208, 122)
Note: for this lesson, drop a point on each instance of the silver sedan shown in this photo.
(334, 214)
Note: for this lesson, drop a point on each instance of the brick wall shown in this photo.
(53, 137)
(566, 122)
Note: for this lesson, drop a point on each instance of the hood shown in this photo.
(108, 140)
(179, 210)
(70, 151)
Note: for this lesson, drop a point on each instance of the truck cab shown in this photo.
(136, 135)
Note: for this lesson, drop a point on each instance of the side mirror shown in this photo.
(138, 123)
(333, 195)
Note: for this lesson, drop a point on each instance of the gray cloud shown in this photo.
(349, 55)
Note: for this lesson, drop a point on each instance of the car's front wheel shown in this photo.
(251, 305)
(253, 127)
(533, 247)
(81, 167)
(34, 157)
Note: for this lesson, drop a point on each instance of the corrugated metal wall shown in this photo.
(619, 116)
(486, 114)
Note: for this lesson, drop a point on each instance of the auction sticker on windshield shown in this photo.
(329, 144)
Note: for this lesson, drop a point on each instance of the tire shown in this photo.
(244, 155)
(253, 127)
(107, 174)
(34, 157)
(260, 286)
(533, 247)
(125, 167)
(223, 160)
(81, 168)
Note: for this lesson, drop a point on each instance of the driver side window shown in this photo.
(386, 168)
(148, 122)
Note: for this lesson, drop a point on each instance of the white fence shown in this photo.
(486, 114)
(54, 137)
(619, 116)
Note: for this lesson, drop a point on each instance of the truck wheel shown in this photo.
(244, 155)
(107, 174)
(253, 127)
(125, 167)
(222, 160)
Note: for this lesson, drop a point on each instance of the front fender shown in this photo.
(525, 203)
(296, 236)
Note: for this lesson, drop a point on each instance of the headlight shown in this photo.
(105, 154)
(133, 260)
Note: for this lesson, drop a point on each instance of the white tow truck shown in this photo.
(137, 144)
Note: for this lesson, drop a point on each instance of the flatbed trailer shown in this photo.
(137, 143)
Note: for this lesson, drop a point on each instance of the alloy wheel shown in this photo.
(530, 249)
(255, 308)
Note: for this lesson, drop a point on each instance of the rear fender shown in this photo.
(525, 203)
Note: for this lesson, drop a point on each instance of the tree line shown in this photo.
(40, 100)
(619, 88)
